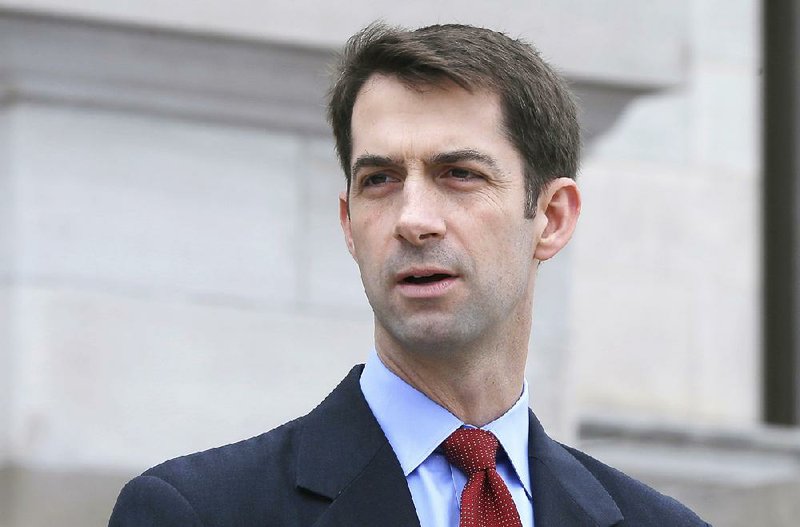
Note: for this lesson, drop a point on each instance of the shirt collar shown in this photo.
(415, 425)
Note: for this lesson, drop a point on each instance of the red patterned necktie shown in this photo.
(485, 501)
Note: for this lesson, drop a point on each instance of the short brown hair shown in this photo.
(538, 109)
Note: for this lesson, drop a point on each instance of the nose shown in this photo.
(420, 220)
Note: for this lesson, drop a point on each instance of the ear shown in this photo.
(344, 220)
(559, 206)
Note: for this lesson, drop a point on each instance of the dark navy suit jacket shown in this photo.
(334, 467)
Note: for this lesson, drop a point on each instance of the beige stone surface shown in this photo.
(666, 294)
(667, 255)
(731, 476)
(38, 498)
(596, 44)
(6, 322)
(112, 380)
(153, 204)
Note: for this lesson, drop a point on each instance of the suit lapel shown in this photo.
(565, 493)
(378, 496)
(344, 456)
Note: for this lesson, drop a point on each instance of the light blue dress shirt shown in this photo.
(415, 427)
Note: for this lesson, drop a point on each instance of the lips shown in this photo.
(424, 275)
(426, 279)
(425, 283)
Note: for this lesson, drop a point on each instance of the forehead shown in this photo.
(390, 117)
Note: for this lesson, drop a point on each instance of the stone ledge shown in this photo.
(761, 438)
(49, 59)
(731, 477)
(31, 497)
(627, 40)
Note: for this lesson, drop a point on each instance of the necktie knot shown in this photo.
(471, 450)
(485, 500)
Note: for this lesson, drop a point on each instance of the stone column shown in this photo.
(781, 202)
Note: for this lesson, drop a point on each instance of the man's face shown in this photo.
(436, 215)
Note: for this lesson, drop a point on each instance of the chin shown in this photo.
(431, 337)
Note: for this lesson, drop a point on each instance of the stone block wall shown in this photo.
(667, 266)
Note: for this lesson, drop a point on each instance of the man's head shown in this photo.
(539, 115)
(435, 213)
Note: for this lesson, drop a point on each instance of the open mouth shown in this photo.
(426, 279)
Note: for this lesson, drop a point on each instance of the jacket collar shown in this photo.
(344, 456)
(564, 491)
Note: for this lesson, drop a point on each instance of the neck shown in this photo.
(477, 384)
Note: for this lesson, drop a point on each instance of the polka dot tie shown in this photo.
(485, 501)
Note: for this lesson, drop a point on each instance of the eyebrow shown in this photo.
(467, 154)
(442, 158)
(372, 160)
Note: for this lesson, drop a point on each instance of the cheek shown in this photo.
(367, 243)
(509, 250)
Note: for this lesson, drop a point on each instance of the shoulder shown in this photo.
(639, 503)
(252, 482)
(268, 454)
(242, 483)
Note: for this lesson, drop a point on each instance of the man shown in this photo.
(460, 148)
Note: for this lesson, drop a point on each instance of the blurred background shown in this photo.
(173, 277)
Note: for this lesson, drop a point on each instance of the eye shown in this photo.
(462, 174)
(376, 180)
